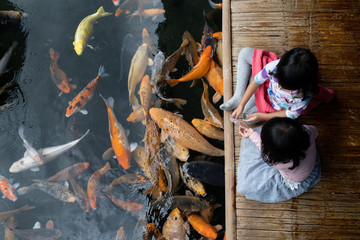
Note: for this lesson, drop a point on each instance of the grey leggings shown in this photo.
(244, 77)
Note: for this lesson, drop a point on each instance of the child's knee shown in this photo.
(245, 52)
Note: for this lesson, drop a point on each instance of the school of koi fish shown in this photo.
(165, 155)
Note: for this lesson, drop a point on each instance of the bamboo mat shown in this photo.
(331, 30)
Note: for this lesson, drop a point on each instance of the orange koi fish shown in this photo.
(207, 129)
(80, 195)
(211, 114)
(59, 76)
(200, 69)
(153, 232)
(69, 172)
(118, 136)
(124, 7)
(79, 102)
(128, 206)
(215, 79)
(183, 132)
(201, 226)
(93, 185)
(215, 5)
(7, 189)
(217, 35)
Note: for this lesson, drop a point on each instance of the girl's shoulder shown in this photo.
(313, 131)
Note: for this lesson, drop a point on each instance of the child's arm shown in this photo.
(250, 90)
(264, 116)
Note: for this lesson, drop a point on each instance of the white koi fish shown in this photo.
(48, 154)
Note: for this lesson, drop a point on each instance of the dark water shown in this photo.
(52, 24)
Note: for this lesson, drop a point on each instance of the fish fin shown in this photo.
(23, 190)
(218, 227)
(133, 146)
(217, 96)
(73, 86)
(127, 131)
(110, 101)
(84, 111)
(193, 83)
(37, 225)
(172, 82)
(91, 47)
(150, 62)
(16, 185)
(179, 102)
(3, 196)
(108, 154)
(174, 70)
(102, 12)
(36, 180)
(66, 184)
(60, 94)
(35, 169)
(114, 157)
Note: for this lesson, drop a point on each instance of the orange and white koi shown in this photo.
(152, 12)
(59, 76)
(118, 136)
(79, 102)
(116, 2)
(93, 185)
(215, 5)
(7, 189)
(202, 227)
(199, 70)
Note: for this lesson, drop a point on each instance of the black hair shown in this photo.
(298, 70)
(284, 140)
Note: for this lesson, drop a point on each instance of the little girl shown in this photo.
(293, 81)
(279, 163)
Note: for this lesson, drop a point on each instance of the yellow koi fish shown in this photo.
(85, 28)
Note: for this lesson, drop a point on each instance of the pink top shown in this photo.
(306, 165)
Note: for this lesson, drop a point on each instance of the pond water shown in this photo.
(37, 106)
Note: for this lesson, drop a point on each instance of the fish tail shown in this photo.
(24, 190)
(21, 132)
(213, 5)
(173, 82)
(102, 72)
(27, 207)
(101, 12)
(179, 102)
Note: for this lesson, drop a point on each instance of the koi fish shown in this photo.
(140, 156)
(145, 95)
(126, 205)
(93, 185)
(156, 68)
(215, 79)
(215, 5)
(5, 59)
(80, 195)
(137, 70)
(201, 226)
(210, 112)
(69, 172)
(148, 41)
(38, 233)
(183, 132)
(171, 170)
(7, 214)
(85, 28)
(218, 47)
(208, 213)
(191, 49)
(199, 70)
(30, 150)
(206, 171)
(176, 149)
(118, 136)
(7, 189)
(153, 233)
(124, 7)
(126, 179)
(52, 188)
(48, 154)
(9, 226)
(79, 102)
(184, 203)
(192, 183)
(137, 115)
(207, 129)
(175, 226)
(153, 13)
(14, 15)
(59, 76)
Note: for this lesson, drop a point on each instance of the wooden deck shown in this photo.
(331, 29)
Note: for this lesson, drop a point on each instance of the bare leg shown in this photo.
(243, 78)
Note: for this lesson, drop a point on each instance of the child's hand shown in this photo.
(255, 117)
(245, 132)
(238, 111)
